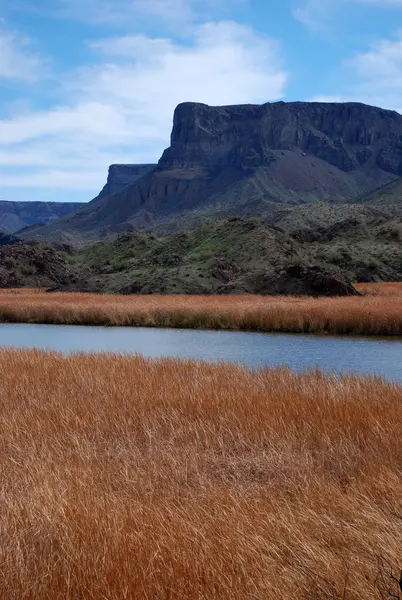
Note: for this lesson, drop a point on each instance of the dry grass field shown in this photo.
(377, 312)
(123, 478)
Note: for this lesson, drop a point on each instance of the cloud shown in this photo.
(317, 13)
(314, 13)
(17, 61)
(120, 107)
(373, 77)
(377, 73)
(131, 14)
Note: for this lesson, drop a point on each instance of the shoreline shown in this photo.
(282, 332)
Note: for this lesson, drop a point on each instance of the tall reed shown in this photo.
(376, 313)
(123, 478)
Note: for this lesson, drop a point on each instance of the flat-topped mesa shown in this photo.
(346, 135)
(119, 176)
(245, 160)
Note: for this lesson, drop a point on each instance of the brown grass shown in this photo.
(378, 312)
(123, 478)
(380, 289)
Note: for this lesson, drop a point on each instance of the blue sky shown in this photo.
(87, 83)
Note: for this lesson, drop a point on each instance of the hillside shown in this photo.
(233, 255)
(389, 195)
(37, 265)
(247, 161)
(18, 215)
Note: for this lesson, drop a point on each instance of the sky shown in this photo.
(88, 83)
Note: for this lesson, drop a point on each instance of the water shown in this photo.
(380, 356)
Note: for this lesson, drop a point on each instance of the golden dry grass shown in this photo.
(123, 478)
(391, 288)
(378, 312)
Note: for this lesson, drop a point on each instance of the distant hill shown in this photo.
(248, 160)
(17, 215)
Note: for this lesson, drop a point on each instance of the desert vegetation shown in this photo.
(377, 312)
(128, 478)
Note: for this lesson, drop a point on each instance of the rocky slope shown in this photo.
(245, 160)
(38, 265)
(17, 215)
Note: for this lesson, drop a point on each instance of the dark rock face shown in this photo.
(120, 176)
(310, 280)
(346, 135)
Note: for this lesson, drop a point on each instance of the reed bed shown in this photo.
(377, 312)
(123, 478)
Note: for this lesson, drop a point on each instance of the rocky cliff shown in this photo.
(245, 160)
(119, 176)
(348, 136)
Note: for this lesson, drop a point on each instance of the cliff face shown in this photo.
(347, 136)
(120, 176)
(243, 160)
(239, 158)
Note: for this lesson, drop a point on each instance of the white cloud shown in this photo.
(373, 77)
(120, 108)
(317, 13)
(17, 61)
(377, 74)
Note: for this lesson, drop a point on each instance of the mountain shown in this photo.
(17, 215)
(249, 160)
(120, 176)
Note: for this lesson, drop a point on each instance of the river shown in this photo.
(378, 356)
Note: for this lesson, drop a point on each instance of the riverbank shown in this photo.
(377, 312)
(129, 478)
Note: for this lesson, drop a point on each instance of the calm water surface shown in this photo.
(380, 356)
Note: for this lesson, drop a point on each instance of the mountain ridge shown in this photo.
(15, 216)
(247, 160)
